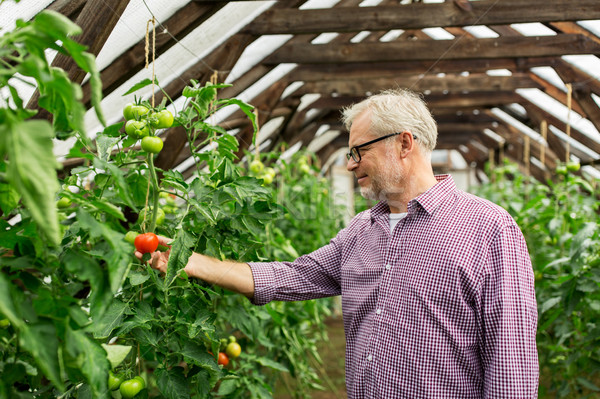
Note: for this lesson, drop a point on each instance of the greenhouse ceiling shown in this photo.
(504, 78)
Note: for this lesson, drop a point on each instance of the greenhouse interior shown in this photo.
(300, 199)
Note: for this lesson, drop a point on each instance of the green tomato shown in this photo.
(130, 388)
(267, 178)
(561, 169)
(232, 338)
(256, 167)
(63, 203)
(132, 111)
(304, 168)
(136, 129)
(114, 381)
(160, 216)
(4, 323)
(130, 236)
(152, 144)
(573, 166)
(141, 380)
(162, 119)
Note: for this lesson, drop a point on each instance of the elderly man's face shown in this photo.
(379, 172)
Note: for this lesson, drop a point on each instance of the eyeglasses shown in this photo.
(355, 154)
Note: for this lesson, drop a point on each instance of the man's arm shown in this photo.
(509, 320)
(234, 276)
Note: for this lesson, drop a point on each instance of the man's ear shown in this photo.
(408, 144)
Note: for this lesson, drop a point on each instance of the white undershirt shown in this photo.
(395, 218)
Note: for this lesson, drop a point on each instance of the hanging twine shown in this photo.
(526, 154)
(491, 158)
(568, 146)
(147, 50)
(544, 131)
(256, 142)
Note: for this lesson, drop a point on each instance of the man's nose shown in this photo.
(351, 164)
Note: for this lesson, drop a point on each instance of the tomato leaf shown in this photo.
(41, 341)
(90, 359)
(181, 250)
(116, 353)
(172, 383)
(119, 258)
(32, 172)
(138, 86)
(119, 178)
(112, 318)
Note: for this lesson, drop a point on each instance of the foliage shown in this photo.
(74, 301)
(560, 222)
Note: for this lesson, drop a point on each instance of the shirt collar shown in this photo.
(432, 198)
(429, 200)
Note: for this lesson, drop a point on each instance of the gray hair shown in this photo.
(397, 110)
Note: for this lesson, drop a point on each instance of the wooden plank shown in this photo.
(434, 84)
(69, 8)
(434, 50)
(318, 72)
(421, 15)
(133, 59)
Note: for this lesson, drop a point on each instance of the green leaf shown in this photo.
(137, 278)
(85, 268)
(9, 198)
(112, 318)
(172, 383)
(227, 387)
(105, 145)
(41, 341)
(181, 250)
(91, 361)
(32, 172)
(588, 384)
(550, 303)
(264, 361)
(119, 178)
(139, 85)
(116, 353)
(119, 259)
(7, 306)
(56, 24)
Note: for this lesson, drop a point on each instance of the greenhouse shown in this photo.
(300, 199)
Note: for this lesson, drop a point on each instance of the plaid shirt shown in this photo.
(442, 307)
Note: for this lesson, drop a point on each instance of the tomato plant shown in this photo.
(134, 111)
(560, 221)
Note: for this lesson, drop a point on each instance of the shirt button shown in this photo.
(378, 311)
(370, 357)
(388, 266)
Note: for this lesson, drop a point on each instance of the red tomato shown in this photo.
(223, 359)
(146, 243)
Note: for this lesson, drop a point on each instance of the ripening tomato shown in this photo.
(152, 144)
(233, 350)
(573, 166)
(131, 387)
(223, 359)
(146, 243)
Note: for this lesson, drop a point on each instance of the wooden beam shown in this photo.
(434, 84)
(421, 15)
(434, 50)
(69, 8)
(133, 59)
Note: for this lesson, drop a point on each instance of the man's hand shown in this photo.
(159, 259)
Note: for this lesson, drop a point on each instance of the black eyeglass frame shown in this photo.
(354, 149)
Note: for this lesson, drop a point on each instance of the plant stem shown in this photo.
(154, 182)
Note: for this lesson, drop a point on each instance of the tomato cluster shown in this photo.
(257, 168)
(127, 388)
(142, 123)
